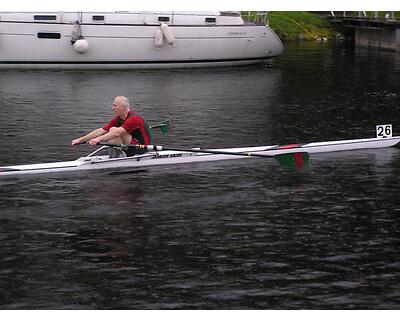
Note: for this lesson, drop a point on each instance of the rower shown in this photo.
(126, 127)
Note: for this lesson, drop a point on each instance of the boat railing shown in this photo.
(256, 17)
(388, 15)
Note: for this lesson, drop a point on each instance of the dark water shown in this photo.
(243, 234)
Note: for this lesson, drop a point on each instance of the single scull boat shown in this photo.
(295, 155)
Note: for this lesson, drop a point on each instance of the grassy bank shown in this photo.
(296, 25)
(299, 25)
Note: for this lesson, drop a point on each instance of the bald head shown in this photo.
(121, 106)
(122, 101)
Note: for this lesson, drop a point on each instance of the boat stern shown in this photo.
(274, 43)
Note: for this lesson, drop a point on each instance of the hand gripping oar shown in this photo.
(290, 160)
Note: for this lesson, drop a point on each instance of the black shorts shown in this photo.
(131, 151)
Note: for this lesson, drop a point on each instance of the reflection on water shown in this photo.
(227, 235)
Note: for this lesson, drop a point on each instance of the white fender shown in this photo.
(168, 34)
(159, 40)
(81, 45)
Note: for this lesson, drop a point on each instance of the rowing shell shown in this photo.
(159, 158)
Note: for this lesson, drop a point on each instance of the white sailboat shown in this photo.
(133, 40)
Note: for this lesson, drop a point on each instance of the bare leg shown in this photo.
(124, 139)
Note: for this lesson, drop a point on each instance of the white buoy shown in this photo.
(81, 45)
(159, 40)
(168, 34)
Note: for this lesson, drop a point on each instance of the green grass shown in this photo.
(302, 25)
(299, 25)
(296, 25)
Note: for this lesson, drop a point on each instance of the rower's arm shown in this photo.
(94, 134)
(117, 132)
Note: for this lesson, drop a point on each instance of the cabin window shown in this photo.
(163, 19)
(98, 18)
(211, 20)
(44, 17)
(49, 35)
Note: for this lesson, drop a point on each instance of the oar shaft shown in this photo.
(246, 154)
(296, 159)
(291, 160)
(158, 126)
(160, 148)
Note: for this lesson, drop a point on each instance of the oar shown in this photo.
(164, 126)
(291, 160)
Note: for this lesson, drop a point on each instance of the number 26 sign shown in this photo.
(384, 131)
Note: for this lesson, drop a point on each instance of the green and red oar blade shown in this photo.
(165, 126)
(293, 160)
